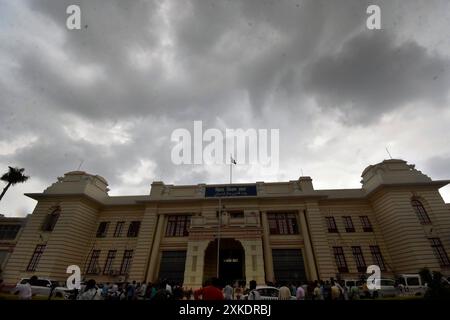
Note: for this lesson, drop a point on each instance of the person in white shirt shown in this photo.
(24, 291)
(300, 294)
(228, 292)
(91, 292)
(253, 294)
(284, 293)
(168, 287)
(142, 290)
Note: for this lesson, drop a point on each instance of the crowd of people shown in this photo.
(215, 289)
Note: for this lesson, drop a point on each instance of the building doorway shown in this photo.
(288, 266)
(231, 261)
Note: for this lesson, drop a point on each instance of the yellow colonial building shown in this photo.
(284, 231)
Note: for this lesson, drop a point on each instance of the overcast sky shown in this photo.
(111, 94)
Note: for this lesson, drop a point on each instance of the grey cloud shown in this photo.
(372, 74)
(438, 167)
(248, 64)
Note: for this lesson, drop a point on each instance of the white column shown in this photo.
(309, 255)
(195, 262)
(254, 261)
(268, 261)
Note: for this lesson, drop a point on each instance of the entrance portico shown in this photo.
(239, 259)
(240, 254)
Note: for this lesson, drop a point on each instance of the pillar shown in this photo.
(151, 276)
(268, 262)
(309, 254)
(195, 261)
(254, 261)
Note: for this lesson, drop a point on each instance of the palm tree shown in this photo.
(13, 176)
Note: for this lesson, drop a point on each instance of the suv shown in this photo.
(44, 287)
(411, 284)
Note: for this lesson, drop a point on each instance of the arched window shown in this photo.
(420, 211)
(51, 219)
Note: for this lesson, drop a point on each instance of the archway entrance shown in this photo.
(231, 261)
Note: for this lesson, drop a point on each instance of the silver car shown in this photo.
(43, 287)
(387, 289)
(268, 293)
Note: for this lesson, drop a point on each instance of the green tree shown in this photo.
(12, 177)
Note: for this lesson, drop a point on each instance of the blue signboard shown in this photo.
(231, 191)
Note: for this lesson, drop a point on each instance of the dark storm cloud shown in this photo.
(372, 74)
(439, 167)
(140, 69)
(221, 49)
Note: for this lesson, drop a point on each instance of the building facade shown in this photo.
(10, 230)
(268, 232)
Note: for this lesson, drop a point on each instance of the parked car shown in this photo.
(267, 293)
(388, 288)
(352, 283)
(411, 284)
(43, 287)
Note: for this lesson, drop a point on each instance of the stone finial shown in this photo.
(157, 189)
(306, 184)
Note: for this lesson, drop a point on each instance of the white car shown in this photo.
(267, 293)
(43, 287)
(411, 284)
(387, 289)
(352, 283)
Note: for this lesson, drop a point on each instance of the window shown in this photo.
(340, 259)
(119, 228)
(9, 231)
(133, 229)
(348, 223)
(413, 281)
(367, 226)
(282, 223)
(288, 265)
(3, 255)
(172, 266)
(178, 226)
(50, 220)
(331, 225)
(38, 251)
(93, 267)
(126, 262)
(377, 257)
(236, 214)
(359, 259)
(420, 211)
(268, 292)
(440, 252)
(102, 229)
(109, 261)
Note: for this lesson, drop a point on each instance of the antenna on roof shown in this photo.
(387, 150)
(81, 163)
(301, 170)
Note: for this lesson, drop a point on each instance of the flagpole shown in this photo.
(218, 237)
(232, 161)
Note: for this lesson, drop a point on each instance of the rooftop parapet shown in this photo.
(80, 182)
(393, 171)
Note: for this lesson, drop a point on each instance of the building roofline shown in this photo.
(320, 194)
(435, 183)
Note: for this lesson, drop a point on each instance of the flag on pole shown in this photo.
(232, 160)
